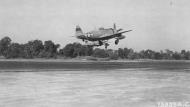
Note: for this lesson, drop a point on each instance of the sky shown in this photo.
(156, 24)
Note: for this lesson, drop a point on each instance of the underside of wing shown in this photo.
(113, 36)
(110, 36)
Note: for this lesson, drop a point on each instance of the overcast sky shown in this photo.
(156, 24)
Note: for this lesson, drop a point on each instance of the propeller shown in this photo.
(115, 29)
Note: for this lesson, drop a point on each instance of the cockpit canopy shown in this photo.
(101, 28)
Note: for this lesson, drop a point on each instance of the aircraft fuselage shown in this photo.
(97, 34)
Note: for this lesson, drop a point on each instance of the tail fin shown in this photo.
(78, 31)
(114, 28)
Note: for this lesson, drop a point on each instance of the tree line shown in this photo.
(49, 49)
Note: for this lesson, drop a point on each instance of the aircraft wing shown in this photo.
(125, 31)
(112, 36)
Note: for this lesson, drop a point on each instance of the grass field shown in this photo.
(29, 65)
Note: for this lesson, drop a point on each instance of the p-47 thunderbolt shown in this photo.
(101, 36)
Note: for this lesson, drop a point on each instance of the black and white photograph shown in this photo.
(94, 53)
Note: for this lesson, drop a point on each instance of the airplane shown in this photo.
(101, 36)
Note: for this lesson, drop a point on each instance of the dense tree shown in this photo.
(113, 54)
(168, 54)
(101, 53)
(183, 54)
(15, 50)
(4, 45)
(176, 56)
(149, 54)
(157, 55)
(187, 55)
(121, 53)
(48, 49)
(131, 54)
(86, 50)
(142, 54)
(68, 50)
(76, 49)
(27, 51)
(36, 46)
(126, 52)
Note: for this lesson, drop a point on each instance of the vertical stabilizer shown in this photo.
(78, 31)
(114, 28)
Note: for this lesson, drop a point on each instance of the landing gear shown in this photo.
(116, 41)
(106, 45)
(100, 43)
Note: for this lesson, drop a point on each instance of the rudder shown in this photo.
(78, 31)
